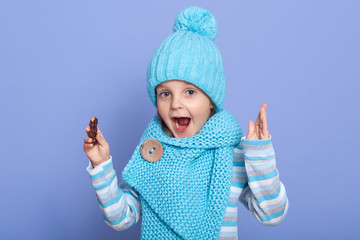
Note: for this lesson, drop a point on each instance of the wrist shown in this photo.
(244, 141)
(102, 161)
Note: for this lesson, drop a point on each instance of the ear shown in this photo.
(212, 109)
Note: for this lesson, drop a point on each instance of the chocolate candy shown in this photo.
(93, 128)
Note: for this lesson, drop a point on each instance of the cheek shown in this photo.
(201, 114)
(162, 111)
(202, 107)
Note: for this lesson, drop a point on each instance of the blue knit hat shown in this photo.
(190, 54)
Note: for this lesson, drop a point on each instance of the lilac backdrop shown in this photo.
(62, 62)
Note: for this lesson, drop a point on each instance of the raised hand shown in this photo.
(259, 130)
(97, 152)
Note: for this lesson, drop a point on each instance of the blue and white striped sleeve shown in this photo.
(264, 195)
(119, 205)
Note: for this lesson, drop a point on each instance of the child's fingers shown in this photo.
(264, 125)
(88, 140)
(89, 145)
(257, 122)
(100, 138)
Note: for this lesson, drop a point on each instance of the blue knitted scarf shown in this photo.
(184, 195)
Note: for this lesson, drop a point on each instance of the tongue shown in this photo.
(184, 121)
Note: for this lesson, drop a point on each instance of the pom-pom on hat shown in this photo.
(190, 54)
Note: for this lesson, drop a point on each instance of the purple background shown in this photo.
(62, 62)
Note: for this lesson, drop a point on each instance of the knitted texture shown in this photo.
(190, 54)
(184, 195)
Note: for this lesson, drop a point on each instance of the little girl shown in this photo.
(192, 164)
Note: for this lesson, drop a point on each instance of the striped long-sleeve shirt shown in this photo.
(255, 183)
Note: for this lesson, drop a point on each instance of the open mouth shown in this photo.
(181, 124)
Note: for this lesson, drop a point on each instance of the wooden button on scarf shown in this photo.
(151, 150)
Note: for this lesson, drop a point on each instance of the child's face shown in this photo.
(183, 107)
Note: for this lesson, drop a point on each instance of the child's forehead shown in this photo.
(169, 82)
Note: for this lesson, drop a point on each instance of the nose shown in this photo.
(176, 103)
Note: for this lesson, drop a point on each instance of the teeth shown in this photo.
(177, 124)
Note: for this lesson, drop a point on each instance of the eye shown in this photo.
(164, 94)
(190, 92)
